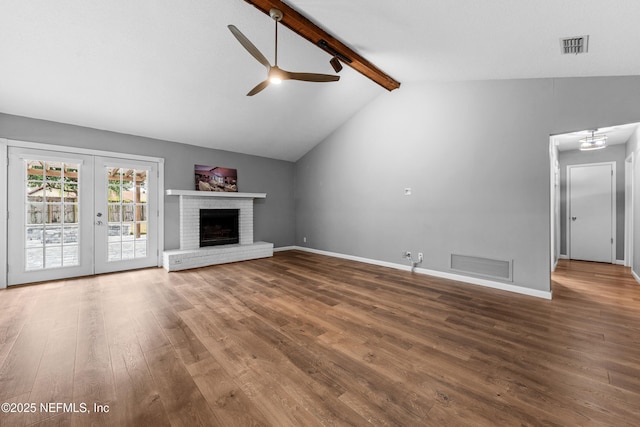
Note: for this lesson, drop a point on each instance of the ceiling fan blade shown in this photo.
(244, 41)
(309, 77)
(258, 88)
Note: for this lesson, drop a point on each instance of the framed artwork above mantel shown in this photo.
(214, 178)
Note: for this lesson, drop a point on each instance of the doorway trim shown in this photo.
(629, 164)
(4, 163)
(4, 160)
(613, 207)
(554, 204)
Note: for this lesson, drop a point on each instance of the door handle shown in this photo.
(573, 218)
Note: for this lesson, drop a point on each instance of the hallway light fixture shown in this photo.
(593, 142)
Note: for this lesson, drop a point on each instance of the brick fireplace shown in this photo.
(190, 254)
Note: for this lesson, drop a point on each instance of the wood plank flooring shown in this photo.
(306, 340)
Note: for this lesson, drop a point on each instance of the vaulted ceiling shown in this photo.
(172, 70)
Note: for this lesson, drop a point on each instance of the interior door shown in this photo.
(591, 218)
(125, 214)
(50, 232)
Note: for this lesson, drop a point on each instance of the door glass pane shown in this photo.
(35, 191)
(35, 213)
(128, 250)
(114, 212)
(115, 235)
(126, 213)
(35, 237)
(54, 213)
(141, 212)
(141, 188)
(70, 213)
(70, 192)
(70, 234)
(115, 251)
(141, 248)
(52, 224)
(70, 255)
(35, 258)
(53, 256)
(127, 231)
(52, 236)
(114, 190)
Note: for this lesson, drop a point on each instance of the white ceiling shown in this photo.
(171, 69)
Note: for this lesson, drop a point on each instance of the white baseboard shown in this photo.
(617, 262)
(460, 278)
(635, 276)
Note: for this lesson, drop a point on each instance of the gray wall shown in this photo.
(274, 216)
(476, 155)
(614, 153)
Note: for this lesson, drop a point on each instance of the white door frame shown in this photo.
(628, 209)
(4, 159)
(554, 203)
(4, 187)
(613, 206)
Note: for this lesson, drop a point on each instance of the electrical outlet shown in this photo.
(407, 191)
(407, 254)
(420, 257)
(304, 240)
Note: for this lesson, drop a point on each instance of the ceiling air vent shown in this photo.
(574, 45)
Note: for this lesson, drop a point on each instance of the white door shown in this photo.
(50, 213)
(591, 212)
(75, 215)
(126, 211)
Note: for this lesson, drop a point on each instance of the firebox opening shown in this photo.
(219, 227)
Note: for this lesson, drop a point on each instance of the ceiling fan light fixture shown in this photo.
(276, 76)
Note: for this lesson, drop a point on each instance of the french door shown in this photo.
(76, 214)
(126, 214)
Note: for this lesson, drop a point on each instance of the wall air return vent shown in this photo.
(574, 45)
(482, 267)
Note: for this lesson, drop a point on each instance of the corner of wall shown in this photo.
(3, 212)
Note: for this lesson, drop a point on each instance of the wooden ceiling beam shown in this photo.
(303, 26)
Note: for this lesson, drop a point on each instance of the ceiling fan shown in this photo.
(276, 74)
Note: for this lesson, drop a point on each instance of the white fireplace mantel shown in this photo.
(190, 254)
(219, 194)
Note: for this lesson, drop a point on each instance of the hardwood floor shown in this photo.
(303, 340)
